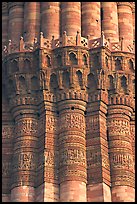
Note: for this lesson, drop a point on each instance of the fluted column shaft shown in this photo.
(50, 19)
(91, 22)
(4, 23)
(125, 23)
(72, 151)
(31, 21)
(120, 151)
(110, 21)
(71, 17)
(16, 19)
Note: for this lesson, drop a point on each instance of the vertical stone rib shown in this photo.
(4, 23)
(48, 155)
(91, 22)
(98, 167)
(121, 155)
(110, 21)
(125, 23)
(50, 19)
(72, 151)
(71, 17)
(31, 21)
(24, 156)
(16, 19)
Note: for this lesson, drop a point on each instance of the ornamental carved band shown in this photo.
(72, 156)
(119, 127)
(72, 120)
(24, 161)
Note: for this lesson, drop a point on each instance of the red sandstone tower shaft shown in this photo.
(91, 19)
(50, 19)
(31, 21)
(4, 23)
(110, 21)
(71, 17)
(16, 19)
(125, 29)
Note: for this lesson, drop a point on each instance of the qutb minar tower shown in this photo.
(68, 101)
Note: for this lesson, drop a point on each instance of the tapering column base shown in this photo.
(98, 193)
(47, 192)
(73, 191)
(123, 194)
(23, 194)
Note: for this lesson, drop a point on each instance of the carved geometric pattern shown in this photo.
(118, 127)
(71, 120)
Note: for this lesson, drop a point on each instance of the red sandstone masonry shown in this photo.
(31, 21)
(98, 193)
(125, 29)
(123, 194)
(50, 19)
(23, 194)
(4, 22)
(73, 191)
(16, 18)
(71, 17)
(91, 22)
(121, 157)
(110, 21)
